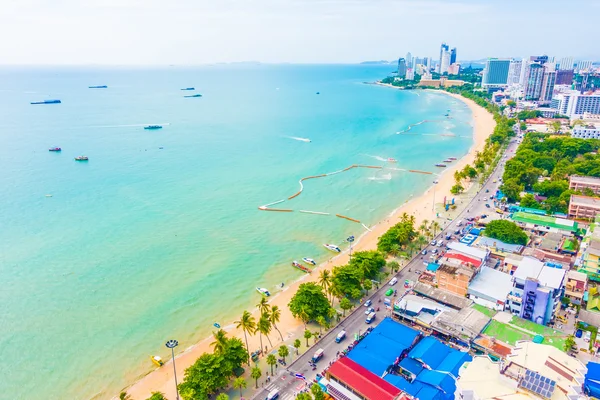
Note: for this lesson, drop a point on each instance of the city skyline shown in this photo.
(132, 32)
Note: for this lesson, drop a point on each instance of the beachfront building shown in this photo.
(575, 286)
(584, 207)
(588, 131)
(581, 183)
(442, 82)
(575, 104)
(520, 375)
(514, 72)
(536, 291)
(401, 67)
(490, 288)
(533, 81)
(543, 223)
(495, 73)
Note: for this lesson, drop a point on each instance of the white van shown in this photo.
(273, 394)
(393, 281)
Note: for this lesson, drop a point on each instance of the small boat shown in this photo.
(441, 165)
(46, 102)
(152, 127)
(54, 149)
(452, 158)
(301, 267)
(392, 160)
(309, 261)
(447, 161)
(189, 88)
(81, 158)
(157, 360)
(194, 95)
(217, 325)
(445, 115)
(263, 291)
(332, 247)
(318, 92)
(98, 87)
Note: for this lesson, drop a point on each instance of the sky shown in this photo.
(190, 32)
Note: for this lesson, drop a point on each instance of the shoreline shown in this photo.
(161, 379)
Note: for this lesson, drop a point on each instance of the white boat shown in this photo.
(392, 160)
(263, 291)
(332, 247)
(309, 261)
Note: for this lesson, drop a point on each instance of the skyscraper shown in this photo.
(514, 72)
(565, 63)
(533, 81)
(453, 56)
(583, 66)
(564, 76)
(445, 62)
(548, 82)
(409, 60)
(539, 59)
(401, 67)
(495, 73)
(525, 63)
(443, 48)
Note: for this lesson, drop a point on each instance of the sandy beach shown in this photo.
(421, 207)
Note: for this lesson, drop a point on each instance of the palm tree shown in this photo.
(434, 227)
(263, 305)
(283, 352)
(307, 335)
(315, 336)
(248, 325)
(220, 341)
(255, 374)
(239, 383)
(325, 279)
(124, 396)
(297, 344)
(222, 396)
(395, 249)
(321, 321)
(274, 319)
(422, 241)
(303, 316)
(264, 328)
(271, 361)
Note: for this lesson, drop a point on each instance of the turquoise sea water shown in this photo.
(143, 244)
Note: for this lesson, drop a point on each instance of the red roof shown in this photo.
(362, 381)
(463, 258)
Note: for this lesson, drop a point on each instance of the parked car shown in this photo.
(393, 281)
(487, 205)
(440, 243)
(434, 251)
(433, 243)
(424, 252)
(368, 303)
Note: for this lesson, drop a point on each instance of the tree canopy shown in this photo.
(397, 237)
(369, 263)
(310, 299)
(506, 231)
(346, 282)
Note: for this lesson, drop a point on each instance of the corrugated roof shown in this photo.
(468, 250)
(362, 381)
(491, 283)
(543, 220)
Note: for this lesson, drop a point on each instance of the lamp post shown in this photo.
(350, 240)
(171, 344)
(433, 202)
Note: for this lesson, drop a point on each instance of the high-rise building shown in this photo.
(427, 62)
(454, 69)
(514, 72)
(584, 66)
(565, 63)
(575, 104)
(495, 73)
(525, 63)
(564, 76)
(548, 81)
(410, 74)
(445, 62)
(443, 48)
(539, 59)
(401, 67)
(533, 81)
(453, 56)
(409, 60)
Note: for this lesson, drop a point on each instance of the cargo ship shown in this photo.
(46, 102)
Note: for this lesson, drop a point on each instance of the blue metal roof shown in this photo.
(591, 384)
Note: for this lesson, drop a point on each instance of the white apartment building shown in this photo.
(445, 61)
(575, 104)
(565, 63)
(584, 66)
(514, 72)
(591, 131)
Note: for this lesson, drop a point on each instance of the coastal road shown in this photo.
(289, 386)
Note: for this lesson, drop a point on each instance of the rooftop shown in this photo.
(482, 377)
(499, 245)
(589, 180)
(468, 250)
(586, 201)
(543, 220)
(442, 296)
(491, 283)
(546, 276)
(453, 270)
(362, 381)
(578, 276)
(467, 322)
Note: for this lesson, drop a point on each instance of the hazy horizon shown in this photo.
(191, 33)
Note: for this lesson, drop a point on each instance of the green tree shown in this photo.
(274, 317)
(304, 396)
(283, 351)
(124, 396)
(158, 396)
(346, 282)
(307, 335)
(235, 353)
(321, 322)
(511, 103)
(457, 189)
(296, 345)
(264, 328)
(311, 299)
(222, 396)
(317, 392)
(569, 343)
(369, 263)
(506, 231)
(367, 285)
(345, 305)
(220, 341)
(394, 266)
(523, 126)
(529, 201)
(239, 383)
(248, 325)
(255, 374)
(271, 361)
(325, 280)
(208, 374)
(263, 306)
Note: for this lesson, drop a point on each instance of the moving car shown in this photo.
(340, 336)
(368, 303)
(273, 394)
(393, 281)
(369, 310)
(424, 252)
(318, 355)
(369, 319)
(487, 205)
(433, 243)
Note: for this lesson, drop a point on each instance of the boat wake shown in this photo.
(128, 125)
(377, 157)
(409, 127)
(384, 177)
(306, 140)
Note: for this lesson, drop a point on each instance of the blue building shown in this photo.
(495, 74)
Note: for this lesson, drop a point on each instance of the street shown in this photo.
(288, 385)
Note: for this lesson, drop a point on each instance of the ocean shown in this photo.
(159, 234)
